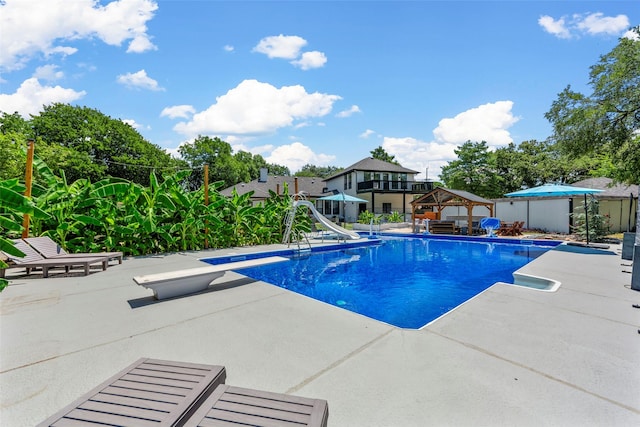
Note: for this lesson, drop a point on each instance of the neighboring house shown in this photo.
(385, 187)
(619, 202)
(312, 187)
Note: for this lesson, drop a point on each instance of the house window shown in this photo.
(345, 182)
(386, 208)
(350, 181)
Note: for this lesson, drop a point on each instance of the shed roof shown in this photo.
(611, 190)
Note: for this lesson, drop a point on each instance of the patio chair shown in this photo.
(50, 249)
(33, 260)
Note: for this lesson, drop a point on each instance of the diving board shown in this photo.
(188, 281)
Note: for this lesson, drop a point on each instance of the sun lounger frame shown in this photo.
(34, 260)
(230, 405)
(49, 249)
(183, 282)
(149, 392)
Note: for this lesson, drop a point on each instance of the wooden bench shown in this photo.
(149, 392)
(182, 282)
(229, 405)
(443, 227)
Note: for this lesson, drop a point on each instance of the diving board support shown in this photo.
(188, 281)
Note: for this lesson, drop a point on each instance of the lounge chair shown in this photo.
(33, 259)
(163, 393)
(50, 249)
(230, 405)
(148, 392)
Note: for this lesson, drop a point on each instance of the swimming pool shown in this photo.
(406, 282)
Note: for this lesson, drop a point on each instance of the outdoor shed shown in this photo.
(439, 199)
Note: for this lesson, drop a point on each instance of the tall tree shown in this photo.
(112, 147)
(474, 170)
(381, 154)
(310, 170)
(606, 121)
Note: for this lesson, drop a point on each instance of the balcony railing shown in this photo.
(383, 186)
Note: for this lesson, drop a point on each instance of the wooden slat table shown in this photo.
(149, 392)
(236, 406)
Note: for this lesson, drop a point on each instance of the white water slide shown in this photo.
(325, 221)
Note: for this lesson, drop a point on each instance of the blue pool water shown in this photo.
(406, 282)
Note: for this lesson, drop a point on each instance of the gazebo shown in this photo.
(441, 198)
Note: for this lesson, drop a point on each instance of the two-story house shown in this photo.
(385, 186)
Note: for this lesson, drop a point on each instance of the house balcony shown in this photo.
(381, 186)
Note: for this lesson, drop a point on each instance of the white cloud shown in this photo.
(632, 35)
(31, 96)
(488, 122)
(256, 108)
(551, 26)
(139, 80)
(48, 72)
(178, 111)
(296, 155)
(367, 133)
(347, 113)
(228, 48)
(34, 27)
(591, 24)
(310, 60)
(419, 155)
(286, 47)
(133, 123)
(596, 23)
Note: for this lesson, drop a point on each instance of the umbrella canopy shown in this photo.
(341, 197)
(548, 190)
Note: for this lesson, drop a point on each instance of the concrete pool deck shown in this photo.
(510, 356)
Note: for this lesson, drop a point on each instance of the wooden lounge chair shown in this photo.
(229, 406)
(147, 393)
(183, 282)
(50, 249)
(33, 260)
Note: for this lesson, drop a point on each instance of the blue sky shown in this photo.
(310, 82)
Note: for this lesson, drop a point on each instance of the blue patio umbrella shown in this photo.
(558, 190)
(341, 197)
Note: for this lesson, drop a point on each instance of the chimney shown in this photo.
(263, 175)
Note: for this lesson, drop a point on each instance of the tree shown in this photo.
(607, 121)
(309, 170)
(474, 171)
(100, 145)
(380, 154)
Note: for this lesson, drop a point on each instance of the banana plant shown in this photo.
(13, 206)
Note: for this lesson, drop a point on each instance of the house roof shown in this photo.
(610, 190)
(313, 186)
(448, 197)
(370, 164)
